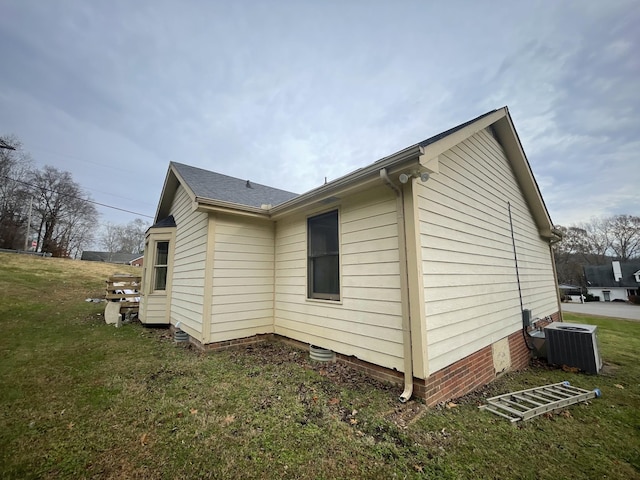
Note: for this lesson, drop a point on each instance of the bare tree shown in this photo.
(127, 238)
(623, 235)
(595, 243)
(596, 238)
(81, 235)
(110, 237)
(572, 253)
(15, 167)
(60, 205)
(133, 238)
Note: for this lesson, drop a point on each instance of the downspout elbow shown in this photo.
(557, 236)
(408, 392)
(387, 181)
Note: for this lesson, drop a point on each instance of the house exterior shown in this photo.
(415, 268)
(137, 261)
(571, 293)
(617, 281)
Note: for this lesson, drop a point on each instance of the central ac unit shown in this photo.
(573, 345)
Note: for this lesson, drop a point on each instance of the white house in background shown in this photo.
(617, 281)
(405, 268)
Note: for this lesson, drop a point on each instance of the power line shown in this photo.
(76, 197)
(83, 160)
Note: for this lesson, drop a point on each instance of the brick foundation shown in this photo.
(453, 381)
(236, 342)
(460, 377)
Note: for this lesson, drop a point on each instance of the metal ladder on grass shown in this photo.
(526, 404)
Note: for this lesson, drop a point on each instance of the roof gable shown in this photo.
(214, 190)
(204, 186)
(425, 155)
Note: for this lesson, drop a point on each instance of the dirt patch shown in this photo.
(609, 369)
(406, 414)
(479, 396)
(278, 353)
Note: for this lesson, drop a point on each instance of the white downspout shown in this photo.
(404, 289)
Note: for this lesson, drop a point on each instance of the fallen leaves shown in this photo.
(350, 417)
(568, 369)
(552, 415)
(228, 420)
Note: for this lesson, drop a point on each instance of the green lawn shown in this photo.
(81, 399)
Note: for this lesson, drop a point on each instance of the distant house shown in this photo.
(108, 257)
(617, 281)
(405, 268)
(571, 293)
(138, 261)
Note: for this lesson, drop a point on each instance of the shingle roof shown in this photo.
(215, 186)
(165, 222)
(602, 275)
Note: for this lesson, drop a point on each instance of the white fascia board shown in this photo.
(351, 182)
(219, 206)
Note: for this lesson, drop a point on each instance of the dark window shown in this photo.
(160, 266)
(324, 258)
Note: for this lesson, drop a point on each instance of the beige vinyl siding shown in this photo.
(188, 264)
(242, 300)
(154, 303)
(469, 277)
(366, 322)
(155, 308)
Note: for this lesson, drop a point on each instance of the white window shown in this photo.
(160, 266)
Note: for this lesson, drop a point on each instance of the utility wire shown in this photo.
(77, 198)
(67, 156)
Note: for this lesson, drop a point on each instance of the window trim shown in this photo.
(155, 235)
(316, 296)
(157, 266)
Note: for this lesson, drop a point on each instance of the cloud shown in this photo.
(287, 93)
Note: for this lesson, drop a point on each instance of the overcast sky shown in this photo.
(286, 93)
